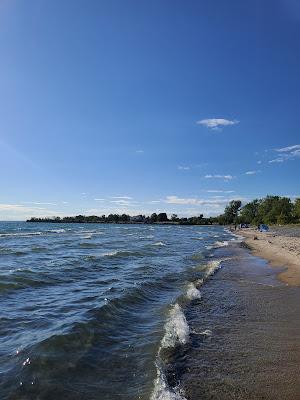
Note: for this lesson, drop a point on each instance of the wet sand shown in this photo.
(281, 247)
(245, 335)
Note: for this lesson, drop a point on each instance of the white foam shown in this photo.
(86, 237)
(207, 332)
(212, 267)
(221, 244)
(159, 244)
(237, 238)
(176, 328)
(161, 390)
(25, 234)
(110, 253)
(57, 230)
(192, 292)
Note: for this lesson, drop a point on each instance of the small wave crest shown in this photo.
(217, 244)
(56, 230)
(192, 292)
(212, 267)
(162, 391)
(159, 244)
(176, 328)
(25, 234)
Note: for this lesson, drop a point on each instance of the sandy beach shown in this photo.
(281, 247)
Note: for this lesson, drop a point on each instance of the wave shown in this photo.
(192, 292)
(87, 245)
(25, 234)
(176, 328)
(221, 244)
(9, 251)
(159, 244)
(162, 391)
(57, 230)
(123, 253)
(217, 244)
(212, 267)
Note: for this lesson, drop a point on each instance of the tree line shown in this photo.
(269, 210)
(161, 218)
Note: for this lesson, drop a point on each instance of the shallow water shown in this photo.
(92, 311)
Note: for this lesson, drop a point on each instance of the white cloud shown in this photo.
(288, 148)
(220, 191)
(20, 211)
(252, 172)
(216, 123)
(121, 197)
(183, 168)
(39, 203)
(286, 153)
(213, 202)
(259, 162)
(277, 160)
(140, 151)
(178, 200)
(217, 176)
(99, 199)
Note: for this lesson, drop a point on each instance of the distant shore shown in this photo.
(281, 247)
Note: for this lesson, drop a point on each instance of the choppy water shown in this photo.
(88, 311)
(92, 311)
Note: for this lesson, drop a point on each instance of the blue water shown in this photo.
(87, 310)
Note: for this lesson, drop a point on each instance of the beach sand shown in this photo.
(281, 247)
(244, 340)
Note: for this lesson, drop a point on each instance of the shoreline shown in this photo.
(279, 250)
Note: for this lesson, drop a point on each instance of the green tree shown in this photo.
(249, 212)
(296, 210)
(231, 211)
(162, 217)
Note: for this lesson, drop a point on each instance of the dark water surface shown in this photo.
(92, 311)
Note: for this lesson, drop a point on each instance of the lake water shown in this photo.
(92, 311)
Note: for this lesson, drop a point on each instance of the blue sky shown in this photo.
(141, 106)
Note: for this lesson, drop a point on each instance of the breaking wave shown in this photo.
(192, 292)
(176, 328)
(162, 391)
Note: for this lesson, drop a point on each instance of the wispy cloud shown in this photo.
(217, 176)
(121, 197)
(295, 147)
(211, 205)
(99, 199)
(20, 211)
(216, 123)
(183, 168)
(220, 191)
(40, 203)
(140, 151)
(286, 153)
(252, 172)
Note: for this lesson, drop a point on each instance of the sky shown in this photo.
(135, 106)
